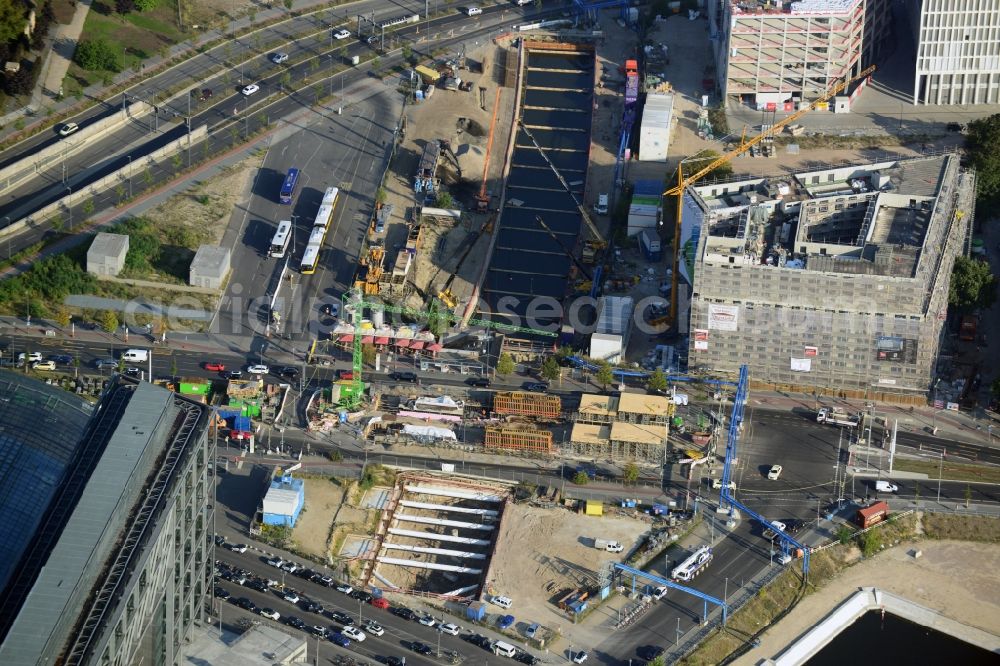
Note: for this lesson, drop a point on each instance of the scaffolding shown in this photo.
(619, 441)
(517, 403)
(518, 439)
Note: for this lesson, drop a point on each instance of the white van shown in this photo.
(886, 487)
(135, 355)
(502, 602)
(473, 11)
(522, 3)
(504, 649)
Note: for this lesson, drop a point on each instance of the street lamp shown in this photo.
(69, 206)
(129, 176)
(7, 218)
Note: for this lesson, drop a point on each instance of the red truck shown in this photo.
(871, 515)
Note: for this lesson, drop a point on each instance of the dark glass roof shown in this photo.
(40, 427)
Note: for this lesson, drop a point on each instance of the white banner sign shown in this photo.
(801, 364)
(723, 317)
(700, 345)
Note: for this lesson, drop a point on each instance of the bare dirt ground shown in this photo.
(323, 498)
(956, 578)
(542, 547)
(464, 119)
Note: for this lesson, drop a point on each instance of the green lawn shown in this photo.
(139, 35)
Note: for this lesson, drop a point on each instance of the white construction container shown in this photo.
(654, 134)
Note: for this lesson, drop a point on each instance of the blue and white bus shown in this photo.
(282, 237)
(289, 186)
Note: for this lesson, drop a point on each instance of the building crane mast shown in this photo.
(354, 307)
(683, 183)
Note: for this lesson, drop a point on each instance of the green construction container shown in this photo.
(246, 408)
(195, 389)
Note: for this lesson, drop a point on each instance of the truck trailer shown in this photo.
(693, 565)
(872, 515)
(837, 416)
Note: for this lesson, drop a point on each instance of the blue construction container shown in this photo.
(649, 188)
(242, 423)
(476, 611)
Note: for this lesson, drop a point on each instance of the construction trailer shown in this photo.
(518, 439)
(618, 441)
(517, 403)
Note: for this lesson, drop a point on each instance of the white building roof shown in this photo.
(614, 314)
(280, 501)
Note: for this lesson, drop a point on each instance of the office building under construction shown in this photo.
(521, 440)
(626, 427)
(517, 403)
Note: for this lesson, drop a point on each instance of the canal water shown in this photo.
(877, 641)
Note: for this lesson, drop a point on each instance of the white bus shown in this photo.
(309, 259)
(282, 237)
(325, 212)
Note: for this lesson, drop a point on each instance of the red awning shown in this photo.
(435, 347)
(402, 342)
(368, 339)
(346, 338)
(417, 344)
(382, 340)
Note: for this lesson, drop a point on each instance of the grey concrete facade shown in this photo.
(106, 255)
(958, 51)
(830, 280)
(210, 267)
(768, 55)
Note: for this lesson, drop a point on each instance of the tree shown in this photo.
(407, 51)
(368, 353)
(505, 364)
(145, 5)
(631, 473)
(581, 478)
(982, 145)
(844, 534)
(13, 19)
(178, 161)
(381, 195)
(147, 175)
(124, 6)
(972, 285)
(109, 321)
(444, 200)
(870, 542)
(57, 222)
(550, 369)
(286, 80)
(657, 381)
(63, 316)
(700, 161)
(288, 5)
(605, 374)
(96, 55)
(19, 82)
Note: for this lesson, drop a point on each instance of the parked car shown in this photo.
(291, 596)
(374, 628)
(276, 562)
(325, 580)
(340, 639)
(102, 363)
(404, 377)
(342, 618)
(33, 357)
(403, 612)
(420, 648)
(238, 547)
(318, 630)
(258, 369)
(505, 621)
(295, 622)
(344, 587)
(502, 602)
(354, 634)
(448, 628)
(427, 621)
(481, 382)
(233, 374)
(342, 34)
(774, 472)
(279, 58)
(394, 661)
(68, 128)
(270, 613)
(526, 658)
(62, 359)
(580, 657)
(361, 595)
(213, 366)
(536, 387)
(43, 365)
(221, 592)
(250, 89)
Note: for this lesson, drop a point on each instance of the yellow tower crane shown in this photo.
(683, 183)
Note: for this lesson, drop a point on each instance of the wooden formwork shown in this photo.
(518, 403)
(518, 439)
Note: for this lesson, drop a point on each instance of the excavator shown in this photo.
(482, 198)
